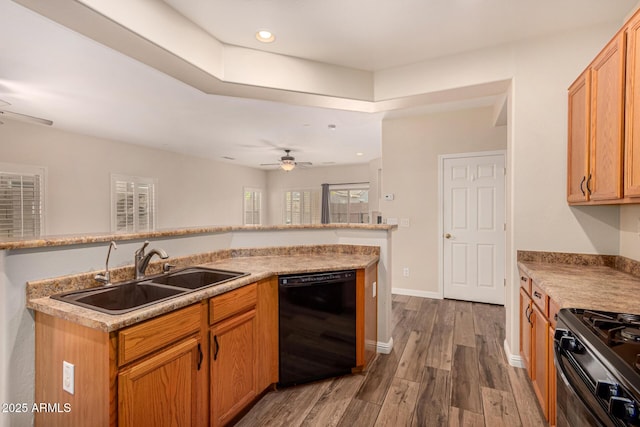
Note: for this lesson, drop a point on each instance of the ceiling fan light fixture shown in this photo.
(288, 165)
(265, 36)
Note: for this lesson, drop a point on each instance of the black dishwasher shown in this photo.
(317, 326)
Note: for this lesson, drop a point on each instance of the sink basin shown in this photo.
(120, 299)
(196, 277)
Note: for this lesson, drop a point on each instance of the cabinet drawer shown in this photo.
(554, 308)
(139, 340)
(540, 298)
(234, 302)
(525, 282)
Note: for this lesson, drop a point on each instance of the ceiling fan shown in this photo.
(287, 162)
(18, 116)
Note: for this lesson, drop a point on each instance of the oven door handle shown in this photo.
(560, 368)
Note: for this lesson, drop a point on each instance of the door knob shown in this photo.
(447, 236)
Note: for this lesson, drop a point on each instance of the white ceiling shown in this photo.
(49, 71)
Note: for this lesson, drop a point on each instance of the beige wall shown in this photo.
(410, 150)
(307, 179)
(630, 231)
(191, 191)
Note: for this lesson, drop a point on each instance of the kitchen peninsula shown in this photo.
(31, 261)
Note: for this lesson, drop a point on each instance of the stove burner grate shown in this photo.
(629, 318)
(632, 334)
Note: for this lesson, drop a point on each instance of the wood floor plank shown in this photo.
(400, 298)
(499, 408)
(489, 320)
(432, 407)
(425, 317)
(379, 378)
(492, 364)
(399, 404)
(461, 418)
(299, 403)
(359, 413)
(526, 401)
(439, 354)
(414, 303)
(463, 331)
(414, 356)
(405, 320)
(465, 381)
(332, 404)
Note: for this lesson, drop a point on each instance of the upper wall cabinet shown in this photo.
(596, 128)
(632, 121)
(578, 158)
(604, 125)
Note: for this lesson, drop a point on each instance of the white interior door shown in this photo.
(474, 228)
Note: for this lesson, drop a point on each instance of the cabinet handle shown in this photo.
(200, 356)
(527, 314)
(584, 178)
(537, 294)
(522, 278)
(215, 352)
(588, 181)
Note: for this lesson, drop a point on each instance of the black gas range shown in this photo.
(597, 356)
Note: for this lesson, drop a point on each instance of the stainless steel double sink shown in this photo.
(129, 296)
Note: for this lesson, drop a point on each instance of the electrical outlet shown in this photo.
(68, 374)
(404, 222)
(375, 289)
(405, 272)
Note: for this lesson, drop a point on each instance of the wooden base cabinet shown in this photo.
(537, 323)
(232, 353)
(149, 374)
(162, 390)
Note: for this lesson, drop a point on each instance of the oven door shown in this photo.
(576, 403)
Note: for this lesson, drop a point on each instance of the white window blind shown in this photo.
(21, 203)
(302, 207)
(252, 206)
(133, 204)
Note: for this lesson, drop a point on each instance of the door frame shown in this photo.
(441, 160)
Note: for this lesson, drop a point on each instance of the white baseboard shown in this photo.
(513, 359)
(414, 293)
(385, 347)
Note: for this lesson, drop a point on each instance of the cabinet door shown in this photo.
(578, 141)
(161, 390)
(540, 360)
(607, 121)
(552, 379)
(525, 330)
(632, 123)
(233, 375)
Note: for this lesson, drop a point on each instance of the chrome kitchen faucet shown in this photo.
(142, 259)
(105, 278)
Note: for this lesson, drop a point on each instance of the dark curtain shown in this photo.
(324, 217)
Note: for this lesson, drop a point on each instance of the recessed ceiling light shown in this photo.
(359, 154)
(332, 127)
(265, 36)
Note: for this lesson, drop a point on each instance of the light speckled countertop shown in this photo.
(596, 287)
(259, 267)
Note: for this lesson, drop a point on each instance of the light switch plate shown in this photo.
(68, 374)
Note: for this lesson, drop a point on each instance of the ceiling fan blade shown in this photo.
(269, 164)
(25, 117)
(304, 163)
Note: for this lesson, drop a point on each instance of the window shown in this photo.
(349, 205)
(133, 204)
(302, 207)
(21, 201)
(252, 206)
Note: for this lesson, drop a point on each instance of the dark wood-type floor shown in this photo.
(447, 368)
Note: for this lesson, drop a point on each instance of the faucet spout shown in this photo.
(142, 259)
